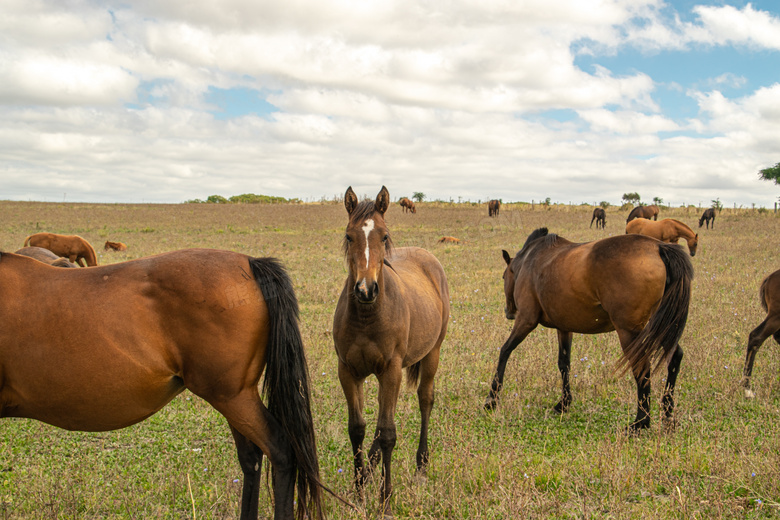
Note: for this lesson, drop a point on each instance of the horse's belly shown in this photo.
(590, 322)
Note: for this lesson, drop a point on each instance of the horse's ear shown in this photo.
(507, 258)
(350, 200)
(382, 200)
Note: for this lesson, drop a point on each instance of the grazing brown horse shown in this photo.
(666, 230)
(709, 214)
(72, 247)
(593, 288)
(600, 216)
(769, 294)
(647, 212)
(45, 256)
(407, 205)
(114, 246)
(133, 335)
(392, 315)
(449, 240)
(493, 207)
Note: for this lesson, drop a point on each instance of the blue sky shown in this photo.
(577, 100)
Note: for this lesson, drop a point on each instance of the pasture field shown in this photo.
(521, 461)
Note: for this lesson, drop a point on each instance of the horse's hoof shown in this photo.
(749, 394)
(561, 408)
(491, 403)
(669, 425)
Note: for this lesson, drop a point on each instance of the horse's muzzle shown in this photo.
(366, 292)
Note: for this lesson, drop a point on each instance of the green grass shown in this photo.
(522, 461)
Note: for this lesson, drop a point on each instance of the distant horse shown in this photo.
(449, 240)
(392, 314)
(72, 247)
(647, 212)
(114, 246)
(666, 230)
(408, 205)
(493, 207)
(103, 348)
(709, 214)
(45, 256)
(769, 294)
(593, 288)
(600, 216)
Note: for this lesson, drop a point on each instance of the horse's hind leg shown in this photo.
(250, 457)
(425, 396)
(642, 378)
(671, 379)
(564, 362)
(769, 327)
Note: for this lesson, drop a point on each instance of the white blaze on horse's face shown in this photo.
(367, 228)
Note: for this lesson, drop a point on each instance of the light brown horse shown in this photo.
(593, 288)
(45, 256)
(665, 230)
(132, 335)
(493, 207)
(600, 216)
(72, 247)
(114, 246)
(647, 212)
(392, 315)
(449, 240)
(769, 294)
(407, 205)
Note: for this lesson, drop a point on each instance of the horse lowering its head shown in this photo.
(493, 207)
(709, 214)
(407, 205)
(45, 256)
(666, 230)
(600, 216)
(114, 246)
(647, 212)
(594, 288)
(72, 247)
(392, 315)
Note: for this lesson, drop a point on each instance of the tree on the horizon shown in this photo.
(770, 174)
(418, 196)
(631, 198)
(658, 201)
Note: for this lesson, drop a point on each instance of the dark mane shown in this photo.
(363, 211)
(549, 240)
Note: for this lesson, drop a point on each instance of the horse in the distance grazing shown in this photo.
(709, 214)
(407, 205)
(647, 212)
(45, 256)
(593, 288)
(72, 247)
(392, 315)
(665, 230)
(493, 207)
(600, 216)
(769, 295)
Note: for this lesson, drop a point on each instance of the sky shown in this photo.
(580, 101)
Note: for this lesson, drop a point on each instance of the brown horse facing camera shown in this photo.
(392, 315)
(593, 288)
(133, 335)
(72, 247)
(666, 230)
(407, 205)
(769, 294)
(493, 207)
(648, 212)
(114, 246)
(600, 216)
(45, 256)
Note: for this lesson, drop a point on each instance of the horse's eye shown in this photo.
(348, 238)
(384, 238)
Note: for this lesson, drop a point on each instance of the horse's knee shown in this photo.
(357, 432)
(387, 438)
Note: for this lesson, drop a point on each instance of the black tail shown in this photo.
(286, 383)
(658, 340)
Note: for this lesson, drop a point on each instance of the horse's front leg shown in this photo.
(353, 392)
(564, 363)
(385, 437)
(520, 330)
(671, 379)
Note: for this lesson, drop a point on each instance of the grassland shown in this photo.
(522, 461)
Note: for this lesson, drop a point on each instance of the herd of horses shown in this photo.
(214, 322)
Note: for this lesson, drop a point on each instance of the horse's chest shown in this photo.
(364, 356)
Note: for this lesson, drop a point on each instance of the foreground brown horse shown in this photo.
(647, 212)
(769, 294)
(593, 288)
(407, 205)
(493, 207)
(114, 246)
(72, 247)
(45, 256)
(600, 216)
(709, 214)
(666, 230)
(392, 315)
(131, 336)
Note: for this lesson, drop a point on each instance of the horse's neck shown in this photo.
(684, 231)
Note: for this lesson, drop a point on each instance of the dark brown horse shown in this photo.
(133, 335)
(709, 214)
(72, 247)
(594, 288)
(769, 294)
(114, 246)
(45, 256)
(392, 315)
(665, 230)
(600, 216)
(493, 207)
(647, 212)
(407, 205)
